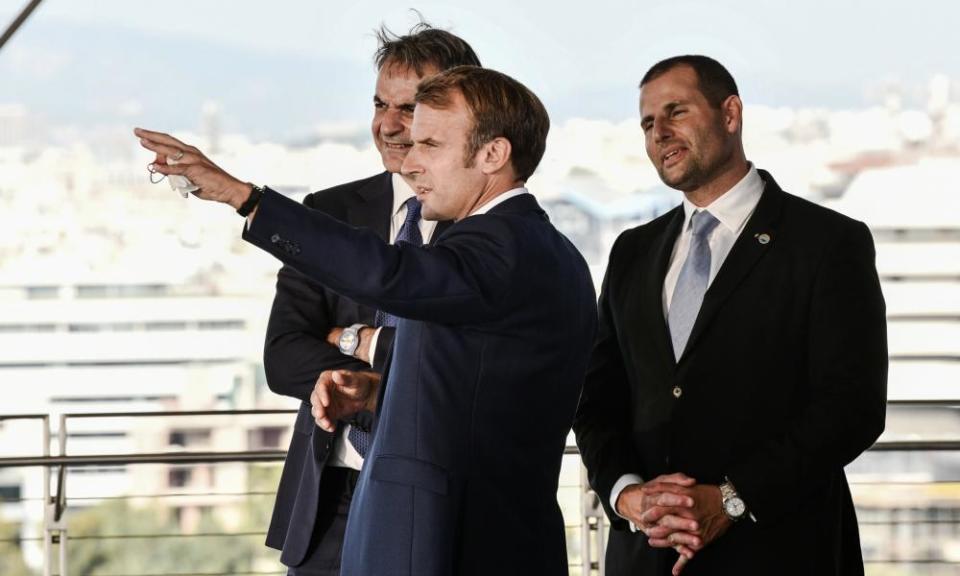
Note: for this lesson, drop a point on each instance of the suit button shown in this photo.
(275, 238)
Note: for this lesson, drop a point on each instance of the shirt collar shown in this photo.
(401, 192)
(733, 207)
(499, 200)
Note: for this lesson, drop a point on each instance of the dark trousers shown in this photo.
(326, 543)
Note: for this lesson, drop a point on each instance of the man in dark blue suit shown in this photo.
(313, 329)
(498, 317)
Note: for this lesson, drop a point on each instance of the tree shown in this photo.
(11, 556)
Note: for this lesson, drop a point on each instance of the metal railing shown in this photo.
(592, 522)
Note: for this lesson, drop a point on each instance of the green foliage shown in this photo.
(11, 557)
(117, 538)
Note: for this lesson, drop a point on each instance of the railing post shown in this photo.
(47, 501)
(592, 528)
(54, 533)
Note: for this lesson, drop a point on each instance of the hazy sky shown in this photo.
(277, 68)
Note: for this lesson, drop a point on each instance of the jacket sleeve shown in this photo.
(847, 379)
(296, 351)
(459, 279)
(602, 424)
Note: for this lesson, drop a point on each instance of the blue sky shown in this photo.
(278, 68)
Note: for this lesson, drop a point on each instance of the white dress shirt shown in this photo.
(503, 197)
(733, 209)
(344, 454)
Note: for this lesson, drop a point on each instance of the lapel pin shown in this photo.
(762, 238)
(677, 392)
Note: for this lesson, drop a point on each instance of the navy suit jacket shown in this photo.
(498, 319)
(783, 383)
(296, 352)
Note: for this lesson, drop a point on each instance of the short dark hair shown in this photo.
(500, 106)
(715, 82)
(423, 46)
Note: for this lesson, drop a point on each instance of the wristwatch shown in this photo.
(733, 505)
(256, 193)
(350, 339)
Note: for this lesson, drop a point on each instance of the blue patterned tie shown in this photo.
(410, 233)
(360, 439)
(692, 282)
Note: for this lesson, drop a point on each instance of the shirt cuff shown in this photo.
(373, 345)
(618, 487)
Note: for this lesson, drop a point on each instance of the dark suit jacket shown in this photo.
(296, 352)
(499, 316)
(783, 379)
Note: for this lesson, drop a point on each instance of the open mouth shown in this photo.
(399, 146)
(673, 156)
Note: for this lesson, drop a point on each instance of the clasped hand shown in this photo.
(339, 394)
(675, 512)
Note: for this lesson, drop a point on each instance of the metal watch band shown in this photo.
(351, 333)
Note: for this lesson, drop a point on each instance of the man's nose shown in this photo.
(411, 166)
(392, 122)
(661, 131)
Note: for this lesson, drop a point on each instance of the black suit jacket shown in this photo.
(488, 362)
(783, 380)
(296, 352)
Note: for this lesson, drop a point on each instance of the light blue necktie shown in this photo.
(692, 282)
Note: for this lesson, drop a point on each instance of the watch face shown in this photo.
(734, 507)
(348, 339)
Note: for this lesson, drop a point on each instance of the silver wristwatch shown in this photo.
(350, 339)
(733, 505)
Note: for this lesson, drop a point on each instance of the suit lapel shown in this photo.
(653, 278)
(440, 229)
(375, 202)
(757, 237)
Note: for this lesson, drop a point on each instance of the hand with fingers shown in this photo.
(701, 510)
(339, 394)
(215, 184)
(662, 509)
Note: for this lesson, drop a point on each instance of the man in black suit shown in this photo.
(307, 320)
(497, 319)
(740, 362)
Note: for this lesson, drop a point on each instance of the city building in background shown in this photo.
(119, 296)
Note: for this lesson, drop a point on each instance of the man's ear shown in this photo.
(732, 109)
(494, 155)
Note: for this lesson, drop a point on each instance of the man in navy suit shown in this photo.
(741, 359)
(498, 317)
(313, 329)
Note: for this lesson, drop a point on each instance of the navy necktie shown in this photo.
(359, 439)
(410, 233)
(692, 282)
